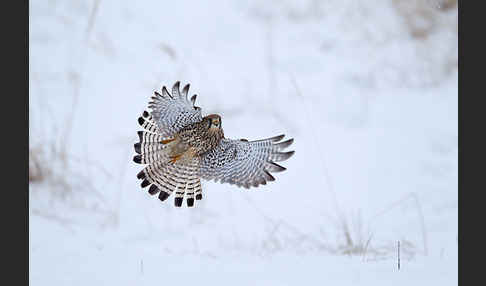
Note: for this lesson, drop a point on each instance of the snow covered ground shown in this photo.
(368, 89)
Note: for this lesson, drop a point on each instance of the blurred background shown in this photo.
(368, 90)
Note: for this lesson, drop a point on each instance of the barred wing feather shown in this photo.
(173, 111)
(245, 163)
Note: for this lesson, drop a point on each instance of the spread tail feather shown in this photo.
(165, 174)
(166, 178)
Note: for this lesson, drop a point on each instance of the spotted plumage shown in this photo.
(180, 147)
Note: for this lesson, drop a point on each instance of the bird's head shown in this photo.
(214, 121)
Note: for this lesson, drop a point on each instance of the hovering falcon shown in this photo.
(180, 147)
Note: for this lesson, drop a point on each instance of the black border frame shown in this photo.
(15, 207)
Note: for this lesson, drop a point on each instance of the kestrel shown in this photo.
(180, 147)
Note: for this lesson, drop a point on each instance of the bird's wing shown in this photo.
(173, 111)
(245, 163)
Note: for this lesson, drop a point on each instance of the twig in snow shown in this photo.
(399, 255)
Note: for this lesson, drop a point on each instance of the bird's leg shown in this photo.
(174, 159)
(186, 155)
(166, 141)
